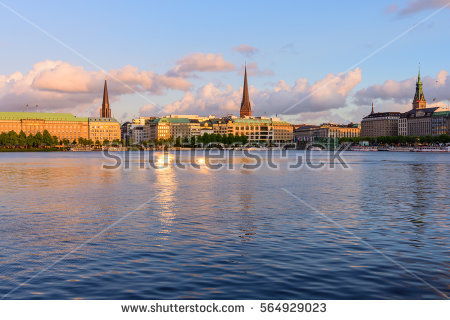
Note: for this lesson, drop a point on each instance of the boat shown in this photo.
(401, 149)
(363, 148)
(431, 149)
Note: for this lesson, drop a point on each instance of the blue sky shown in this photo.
(292, 40)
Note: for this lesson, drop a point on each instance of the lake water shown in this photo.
(376, 230)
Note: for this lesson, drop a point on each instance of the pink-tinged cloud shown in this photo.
(328, 93)
(246, 50)
(60, 86)
(402, 92)
(414, 6)
(201, 62)
(254, 71)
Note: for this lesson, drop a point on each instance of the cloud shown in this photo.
(200, 62)
(246, 50)
(331, 92)
(289, 48)
(254, 71)
(402, 92)
(150, 110)
(415, 6)
(60, 86)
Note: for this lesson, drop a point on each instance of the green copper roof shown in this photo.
(257, 121)
(171, 120)
(441, 113)
(418, 96)
(96, 119)
(40, 116)
(251, 121)
(280, 122)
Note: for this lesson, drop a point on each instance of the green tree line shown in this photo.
(13, 139)
(205, 139)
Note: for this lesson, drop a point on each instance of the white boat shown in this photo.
(363, 148)
(402, 149)
(431, 149)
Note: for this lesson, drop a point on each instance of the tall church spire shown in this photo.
(105, 111)
(246, 109)
(419, 101)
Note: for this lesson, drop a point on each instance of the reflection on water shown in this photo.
(166, 186)
(223, 234)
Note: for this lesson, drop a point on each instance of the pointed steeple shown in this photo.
(372, 109)
(419, 101)
(246, 109)
(105, 111)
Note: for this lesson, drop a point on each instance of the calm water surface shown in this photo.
(228, 234)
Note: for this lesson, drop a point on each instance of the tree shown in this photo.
(47, 138)
(30, 140)
(74, 141)
(22, 139)
(13, 138)
(105, 142)
(3, 139)
(170, 140)
(444, 138)
(193, 141)
(178, 142)
(38, 140)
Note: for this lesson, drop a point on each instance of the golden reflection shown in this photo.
(166, 185)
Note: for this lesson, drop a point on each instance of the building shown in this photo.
(305, 132)
(137, 133)
(257, 129)
(422, 120)
(143, 120)
(105, 111)
(261, 129)
(378, 124)
(416, 122)
(101, 129)
(61, 125)
(125, 132)
(246, 109)
(158, 129)
(64, 125)
(440, 122)
(419, 101)
(326, 130)
(104, 127)
(220, 126)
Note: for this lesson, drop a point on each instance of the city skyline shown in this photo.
(205, 76)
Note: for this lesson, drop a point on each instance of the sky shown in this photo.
(307, 61)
